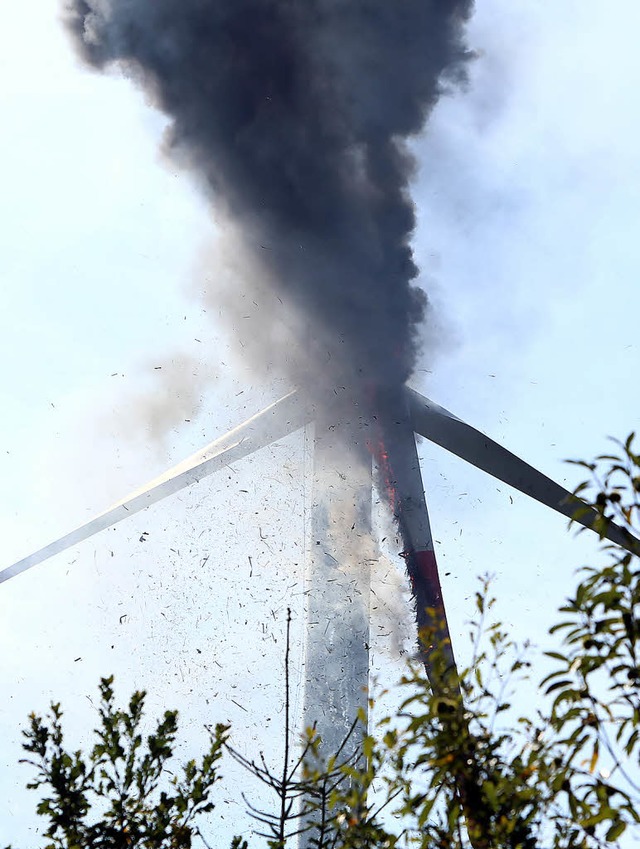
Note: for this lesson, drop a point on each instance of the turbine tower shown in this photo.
(337, 583)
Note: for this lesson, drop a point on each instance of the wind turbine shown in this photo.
(337, 583)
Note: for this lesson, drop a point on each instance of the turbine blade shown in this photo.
(276, 421)
(400, 471)
(442, 427)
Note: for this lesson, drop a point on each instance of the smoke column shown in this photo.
(293, 114)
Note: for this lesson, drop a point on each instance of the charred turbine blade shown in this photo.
(276, 421)
(442, 427)
(399, 474)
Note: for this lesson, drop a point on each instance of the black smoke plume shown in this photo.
(295, 115)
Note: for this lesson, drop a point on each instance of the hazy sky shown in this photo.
(529, 200)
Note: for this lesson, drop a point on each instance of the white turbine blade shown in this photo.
(442, 427)
(276, 421)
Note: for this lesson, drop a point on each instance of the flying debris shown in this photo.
(273, 423)
(338, 580)
(399, 475)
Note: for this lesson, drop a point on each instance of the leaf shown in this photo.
(631, 742)
(556, 655)
(616, 830)
(565, 682)
(491, 794)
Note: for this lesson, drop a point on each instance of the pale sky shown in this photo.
(529, 202)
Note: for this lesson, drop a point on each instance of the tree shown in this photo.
(118, 796)
(565, 777)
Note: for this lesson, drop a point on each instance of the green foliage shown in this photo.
(120, 795)
(454, 769)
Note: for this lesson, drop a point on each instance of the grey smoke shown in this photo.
(294, 116)
(178, 385)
